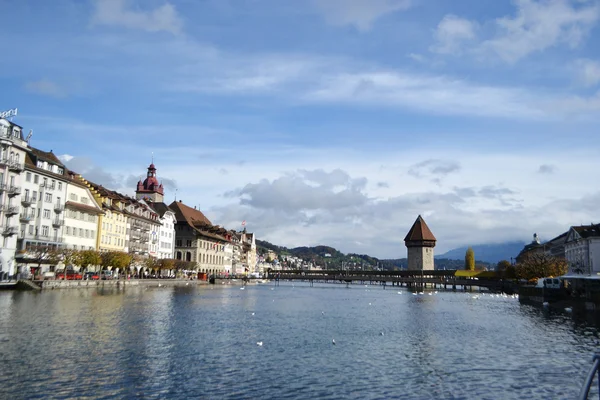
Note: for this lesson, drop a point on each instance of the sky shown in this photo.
(333, 122)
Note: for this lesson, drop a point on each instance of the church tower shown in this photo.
(150, 189)
(420, 243)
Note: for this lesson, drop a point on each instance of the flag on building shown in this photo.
(244, 223)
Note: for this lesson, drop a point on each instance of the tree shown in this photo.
(115, 259)
(470, 259)
(503, 265)
(89, 257)
(166, 263)
(506, 270)
(68, 257)
(540, 265)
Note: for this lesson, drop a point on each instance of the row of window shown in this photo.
(33, 230)
(80, 215)
(74, 197)
(204, 258)
(52, 184)
(81, 232)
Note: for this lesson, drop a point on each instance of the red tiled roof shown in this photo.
(419, 232)
(188, 214)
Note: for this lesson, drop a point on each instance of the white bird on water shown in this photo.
(381, 333)
(242, 288)
(569, 309)
(333, 341)
(259, 343)
(252, 313)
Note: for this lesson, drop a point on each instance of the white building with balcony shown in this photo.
(13, 148)
(81, 216)
(43, 200)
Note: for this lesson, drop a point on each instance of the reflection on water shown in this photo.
(201, 342)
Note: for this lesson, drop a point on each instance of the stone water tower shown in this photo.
(420, 243)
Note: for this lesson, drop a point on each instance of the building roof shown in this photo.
(45, 156)
(159, 208)
(184, 213)
(419, 232)
(586, 231)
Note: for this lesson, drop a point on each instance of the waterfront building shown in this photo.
(151, 192)
(554, 247)
(248, 251)
(112, 233)
(143, 227)
(13, 148)
(197, 240)
(43, 199)
(81, 216)
(582, 249)
(420, 243)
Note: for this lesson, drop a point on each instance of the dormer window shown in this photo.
(40, 164)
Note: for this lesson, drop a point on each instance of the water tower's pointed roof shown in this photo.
(420, 232)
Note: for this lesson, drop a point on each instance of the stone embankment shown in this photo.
(116, 283)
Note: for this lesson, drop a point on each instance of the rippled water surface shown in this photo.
(201, 342)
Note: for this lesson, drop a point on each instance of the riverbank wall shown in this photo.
(116, 283)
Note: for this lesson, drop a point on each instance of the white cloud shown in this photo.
(46, 87)
(452, 33)
(65, 158)
(540, 25)
(116, 13)
(588, 72)
(360, 13)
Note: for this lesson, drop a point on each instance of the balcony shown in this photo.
(13, 191)
(15, 166)
(8, 230)
(57, 222)
(145, 228)
(144, 239)
(2, 187)
(11, 210)
(58, 208)
(27, 201)
(25, 218)
(4, 161)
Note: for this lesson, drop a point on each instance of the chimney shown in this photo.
(194, 207)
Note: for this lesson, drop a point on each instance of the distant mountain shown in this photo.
(491, 253)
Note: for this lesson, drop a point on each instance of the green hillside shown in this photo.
(331, 258)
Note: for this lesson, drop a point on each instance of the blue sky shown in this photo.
(324, 121)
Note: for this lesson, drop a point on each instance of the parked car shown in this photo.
(92, 276)
(107, 275)
(71, 275)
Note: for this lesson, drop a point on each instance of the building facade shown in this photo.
(198, 241)
(13, 148)
(151, 193)
(43, 200)
(143, 228)
(112, 234)
(420, 243)
(582, 249)
(81, 216)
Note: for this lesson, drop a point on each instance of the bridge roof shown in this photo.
(419, 232)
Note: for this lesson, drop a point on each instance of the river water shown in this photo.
(201, 342)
